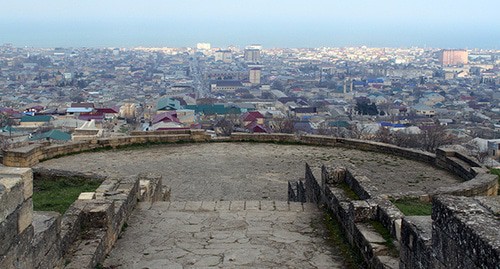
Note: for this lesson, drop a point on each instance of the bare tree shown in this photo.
(282, 125)
(474, 150)
(383, 135)
(224, 126)
(4, 142)
(434, 137)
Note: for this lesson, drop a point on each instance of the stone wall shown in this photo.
(31, 155)
(16, 218)
(354, 216)
(477, 179)
(81, 237)
(462, 233)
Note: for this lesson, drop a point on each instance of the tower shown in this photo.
(254, 76)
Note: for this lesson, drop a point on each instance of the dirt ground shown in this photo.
(250, 171)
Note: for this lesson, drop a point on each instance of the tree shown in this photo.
(365, 107)
(224, 126)
(282, 125)
(474, 150)
(383, 135)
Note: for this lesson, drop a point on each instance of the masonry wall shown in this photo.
(477, 180)
(81, 237)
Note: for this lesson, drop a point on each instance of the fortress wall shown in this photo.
(416, 243)
(448, 159)
(80, 238)
(353, 216)
(16, 217)
(462, 233)
(465, 232)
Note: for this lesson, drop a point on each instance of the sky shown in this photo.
(272, 23)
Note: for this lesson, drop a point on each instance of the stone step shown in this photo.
(264, 205)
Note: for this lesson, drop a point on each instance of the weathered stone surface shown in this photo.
(25, 217)
(86, 196)
(11, 196)
(47, 251)
(249, 238)
(465, 234)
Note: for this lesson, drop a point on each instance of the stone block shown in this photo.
(267, 205)
(46, 241)
(20, 254)
(8, 232)
(362, 210)
(11, 196)
(237, 206)
(208, 205)
(25, 217)
(281, 206)
(193, 205)
(222, 205)
(252, 205)
(86, 196)
(98, 214)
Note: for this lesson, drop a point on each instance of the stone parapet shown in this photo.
(465, 232)
(80, 238)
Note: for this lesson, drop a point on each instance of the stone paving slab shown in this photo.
(210, 238)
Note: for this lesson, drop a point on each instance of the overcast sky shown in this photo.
(273, 23)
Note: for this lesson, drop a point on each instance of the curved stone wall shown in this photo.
(477, 179)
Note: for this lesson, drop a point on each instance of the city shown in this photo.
(392, 95)
(249, 134)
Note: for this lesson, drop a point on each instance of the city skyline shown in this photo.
(447, 24)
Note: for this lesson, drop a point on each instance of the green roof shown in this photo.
(168, 104)
(219, 109)
(38, 118)
(9, 129)
(52, 134)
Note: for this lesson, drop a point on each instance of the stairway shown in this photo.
(224, 234)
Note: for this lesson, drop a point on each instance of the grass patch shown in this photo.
(496, 171)
(380, 229)
(58, 194)
(413, 207)
(348, 191)
(336, 237)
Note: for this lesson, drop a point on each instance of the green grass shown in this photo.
(380, 229)
(413, 207)
(58, 194)
(348, 191)
(496, 171)
(336, 237)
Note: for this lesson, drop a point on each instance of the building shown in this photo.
(453, 57)
(254, 76)
(225, 56)
(225, 85)
(252, 56)
(203, 46)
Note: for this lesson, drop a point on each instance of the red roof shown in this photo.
(252, 116)
(166, 117)
(107, 110)
(257, 128)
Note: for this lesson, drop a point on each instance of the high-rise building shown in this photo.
(225, 56)
(252, 55)
(453, 57)
(254, 76)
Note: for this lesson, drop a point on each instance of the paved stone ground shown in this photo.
(237, 234)
(250, 171)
